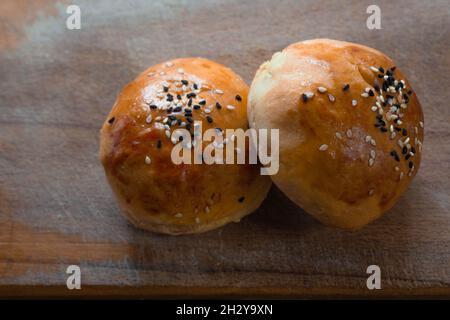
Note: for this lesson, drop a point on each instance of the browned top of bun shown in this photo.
(337, 159)
(154, 192)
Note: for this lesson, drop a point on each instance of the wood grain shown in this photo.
(56, 209)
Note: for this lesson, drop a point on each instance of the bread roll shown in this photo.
(351, 128)
(135, 149)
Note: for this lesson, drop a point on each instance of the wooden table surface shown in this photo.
(56, 208)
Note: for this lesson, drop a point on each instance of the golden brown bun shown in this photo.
(159, 195)
(326, 142)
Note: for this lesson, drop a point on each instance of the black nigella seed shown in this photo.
(381, 69)
(241, 199)
(376, 87)
(380, 76)
(178, 97)
(169, 110)
(202, 102)
(378, 125)
(218, 106)
(404, 150)
(166, 89)
(238, 98)
(397, 129)
(395, 155)
(152, 106)
(304, 97)
(169, 97)
(379, 117)
(172, 117)
(409, 92)
(371, 93)
(188, 126)
(210, 119)
(159, 144)
(346, 87)
(185, 82)
(180, 138)
(179, 121)
(413, 150)
(196, 107)
(187, 110)
(110, 121)
(407, 156)
(404, 132)
(189, 119)
(383, 129)
(189, 102)
(177, 109)
(393, 68)
(191, 95)
(410, 164)
(195, 86)
(389, 73)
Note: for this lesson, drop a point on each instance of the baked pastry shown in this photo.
(137, 140)
(351, 128)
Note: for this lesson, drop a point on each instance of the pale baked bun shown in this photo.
(340, 155)
(154, 193)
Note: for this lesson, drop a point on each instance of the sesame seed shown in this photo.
(368, 138)
(179, 215)
(322, 89)
(365, 95)
(421, 124)
(372, 142)
(149, 119)
(354, 103)
(307, 95)
(371, 192)
(323, 147)
(167, 133)
(180, 70)
(169, 64)
(349, 133)
(207, 209)
(338, 135)
(371, 162)
(148, 160)
(207, 110)
(230, 107)
(373, 154)
(401, 176)
(374, 108)
(331, 97)
(218, 91)
(197, 220)
(374, 69)
(396, 168)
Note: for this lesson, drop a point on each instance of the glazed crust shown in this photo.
(159, 195)
(338, 161)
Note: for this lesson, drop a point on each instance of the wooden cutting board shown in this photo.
(56, 208)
